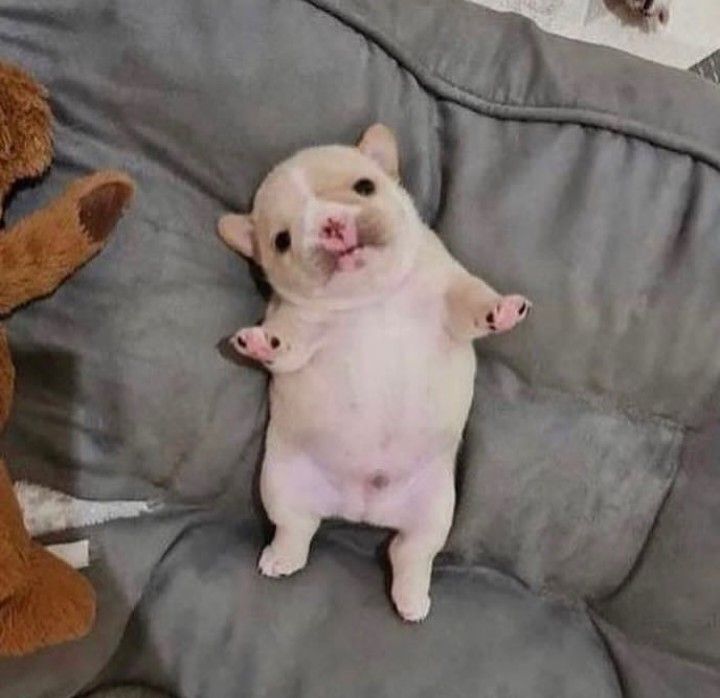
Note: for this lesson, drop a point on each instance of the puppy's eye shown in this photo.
(364, 187)
(282, 241)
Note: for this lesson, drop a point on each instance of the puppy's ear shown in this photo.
(237, 231)
(379, 144)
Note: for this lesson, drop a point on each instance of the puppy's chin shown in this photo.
(333, 270)
(364, 258)
(361, 277)
(369, 272)
(373, 252)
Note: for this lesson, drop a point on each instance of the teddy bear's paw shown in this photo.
(101, 208)
(55, 604)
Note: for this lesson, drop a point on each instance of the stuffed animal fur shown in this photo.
(43, 601)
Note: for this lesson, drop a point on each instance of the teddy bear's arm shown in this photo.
(34, 261)
(42, 250)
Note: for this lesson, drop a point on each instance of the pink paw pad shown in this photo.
(256, 343)
(508, 312)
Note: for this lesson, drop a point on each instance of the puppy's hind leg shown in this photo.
(289, 487)
(288, 552)
(416, 544)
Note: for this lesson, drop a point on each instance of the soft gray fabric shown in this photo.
(310, 638)
(123, 555)
(586, 179)
(127, 692)
(570, 517)
(649, 672)
(672, 600)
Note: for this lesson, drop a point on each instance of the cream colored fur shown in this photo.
(369, 340)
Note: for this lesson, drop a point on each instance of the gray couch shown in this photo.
(585, 557)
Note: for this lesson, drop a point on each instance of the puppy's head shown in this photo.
(331, 223)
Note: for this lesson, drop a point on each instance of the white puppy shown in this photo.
(368, 338)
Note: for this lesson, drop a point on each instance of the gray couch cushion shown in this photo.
(672, 598)
(571, 517)
(647, 671)
(328, 631)
(584, 178)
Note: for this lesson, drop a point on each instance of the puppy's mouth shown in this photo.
(371, 236)
(344, 261)
(350, 259)
(371, 239)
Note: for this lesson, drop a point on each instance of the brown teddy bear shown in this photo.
(43, 601)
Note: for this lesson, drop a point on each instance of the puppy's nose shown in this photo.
(338, 232)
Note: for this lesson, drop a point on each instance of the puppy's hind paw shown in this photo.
(274, 563)
(412, 608)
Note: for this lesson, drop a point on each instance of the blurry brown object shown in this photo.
(43, 601)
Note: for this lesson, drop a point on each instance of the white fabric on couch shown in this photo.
(691, 35)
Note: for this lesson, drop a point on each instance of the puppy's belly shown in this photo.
(373, 423)
(395, 500)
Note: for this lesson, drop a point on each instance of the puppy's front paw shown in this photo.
(413, 607)
(280, 563)
(507, 313)
(256, 343)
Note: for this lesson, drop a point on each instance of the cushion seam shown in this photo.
(442, 87)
